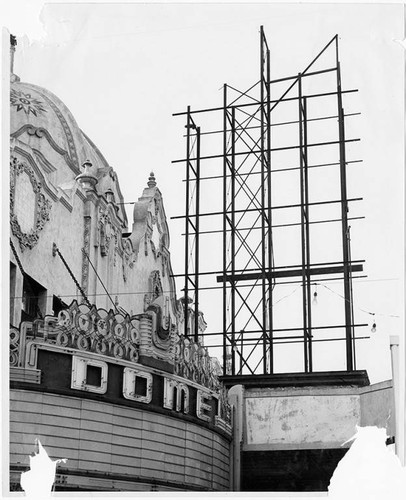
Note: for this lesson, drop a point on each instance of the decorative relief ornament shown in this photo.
(14, 346)
(107, 232)
(128, 257)
(124, 338)
(115, 252)
(164, 260)
(26, 102)
(100, 331)
(155, 285)
(86, 246)
(29, 209)
(193, 362)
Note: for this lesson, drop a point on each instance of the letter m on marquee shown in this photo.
(176, 396)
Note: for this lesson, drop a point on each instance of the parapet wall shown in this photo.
(292, 438)
(310, 417)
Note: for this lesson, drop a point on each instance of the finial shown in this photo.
(13, 43)
(109, 194)
(151, 180)
(87, 177)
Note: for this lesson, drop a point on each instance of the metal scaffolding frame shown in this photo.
(249, 275)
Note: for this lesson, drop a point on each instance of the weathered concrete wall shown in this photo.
(378, 406)
(291, 418)
(287, 418)
(292, 437)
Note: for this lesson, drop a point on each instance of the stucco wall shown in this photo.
(80, 214)
(377, 406)
(64, 227)
(311, 417)
(300, 418)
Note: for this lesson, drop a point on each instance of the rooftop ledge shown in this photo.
(357, 378)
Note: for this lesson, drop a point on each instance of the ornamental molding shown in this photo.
(46, 166)
(15, 342)
(155, 289)
(159, 219)
(149, 214)
(128, 257)
(111, 242)
(148, 235)
(158, 341)
(28, 154)
(116, 250)
(97, 330)
(105, 231)
(165, 262)
(68, 133)
(108, 232)
(42, 205)
(97, 334)
(87, 226)
(66, 204)
(192, 361)
(82, 197)
(163, 330)
(41, 132)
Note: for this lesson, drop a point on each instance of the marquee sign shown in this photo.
(122, 382)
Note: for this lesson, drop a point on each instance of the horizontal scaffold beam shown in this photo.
(288, 273)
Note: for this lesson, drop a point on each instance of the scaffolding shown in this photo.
(253, 154)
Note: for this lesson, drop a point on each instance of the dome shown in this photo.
(35, 114)
(37, 107)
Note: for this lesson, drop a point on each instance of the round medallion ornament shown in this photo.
(101, 347)
(133, 355)
(119, 330)
(102, 327)
(14, 336)
(134, 333)
(13, 358)
(186, 353)
(83, 343)
(83, 322)
(29, 209)
(62, 339)
(118, 351)
(64, 318)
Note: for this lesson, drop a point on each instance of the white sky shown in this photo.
(122, 70)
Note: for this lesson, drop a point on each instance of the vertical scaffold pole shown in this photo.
(344, 221)
(302, 226)
(307, 237)
(269, 202)
(264, 221)
(224, 230)
(232, 223)
(197, 235)
(186, 287)
(305, 232)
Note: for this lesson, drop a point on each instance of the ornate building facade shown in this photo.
(100, 371)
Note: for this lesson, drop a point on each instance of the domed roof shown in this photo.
(38, 107)
(38, 111)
